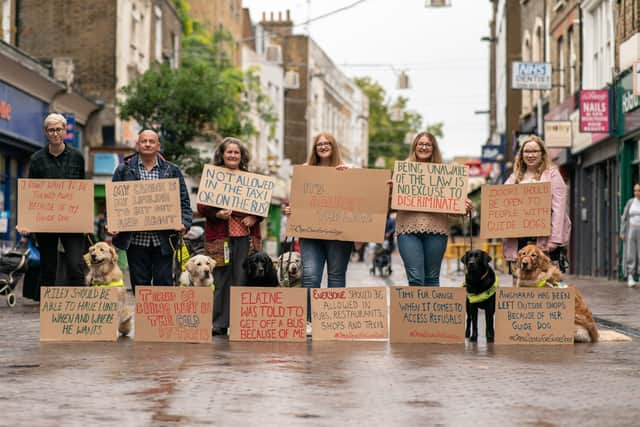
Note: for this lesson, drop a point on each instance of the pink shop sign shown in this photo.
(594, 111)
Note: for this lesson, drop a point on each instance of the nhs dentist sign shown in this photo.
(531, 75)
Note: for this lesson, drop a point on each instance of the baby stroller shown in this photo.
(13, 264)
(382, 259)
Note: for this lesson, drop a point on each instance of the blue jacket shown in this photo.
(128, 171)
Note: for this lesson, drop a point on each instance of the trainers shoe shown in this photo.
(309, 329)
(631, 282)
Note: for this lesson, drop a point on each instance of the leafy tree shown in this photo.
(386, 137)
(180, 104)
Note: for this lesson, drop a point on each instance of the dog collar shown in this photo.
(483, 296)
(113, 284)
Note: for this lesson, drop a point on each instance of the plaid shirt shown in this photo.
(67, 165)
(146, 238)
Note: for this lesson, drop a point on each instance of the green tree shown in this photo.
(386, 137)
(180, 104)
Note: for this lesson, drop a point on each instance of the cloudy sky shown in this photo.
(440, 49)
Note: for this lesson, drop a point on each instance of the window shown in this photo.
(572, 61)
(158, 31)
(526, 57)
(598, 43)
(561, 70)
(6, 21)
(175, 43)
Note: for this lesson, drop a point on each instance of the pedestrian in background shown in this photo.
(630, 235)
(422, 236)
(315, 252)
(227, 237)
(150, 253)
(58, 161)
(532, 165)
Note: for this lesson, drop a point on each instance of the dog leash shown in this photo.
(284, 278)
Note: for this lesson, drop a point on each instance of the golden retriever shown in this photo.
(103, 269)
(534, 266)
(534, 269)
(198, 271)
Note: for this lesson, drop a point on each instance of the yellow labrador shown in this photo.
(198, 272)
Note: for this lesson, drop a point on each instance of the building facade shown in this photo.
(28, 92)
(126, 38)
(226, 16)
(319, 97)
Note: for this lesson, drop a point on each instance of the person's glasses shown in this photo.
(531, 151)
(52, 131)
(424, 144)
(323, 144)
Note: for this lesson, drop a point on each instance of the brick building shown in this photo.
(103, 48)
(318, 97)
(222, 15)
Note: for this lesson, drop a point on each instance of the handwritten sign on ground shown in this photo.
(535, 315)
(173, 314)
(427, 314)
(236, 190)
(78, 314)
(349, 313)
(430, 187)
(55, 205)
(144, 205)
(347, 205)
(268, 314)
(515, 210)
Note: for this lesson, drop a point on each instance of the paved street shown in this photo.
(324, 383)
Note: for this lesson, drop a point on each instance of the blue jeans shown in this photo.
(147, 265)
(315, 253)
(422, 256)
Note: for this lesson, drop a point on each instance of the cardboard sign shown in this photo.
(594, 111)
(145, 205)
(55, 205)
(427, 314)
(349, 313)
(535, 316)
(515, 210)
(347, 205)
(173, 314)
(430, 187)
(78, 314)
(268, 314)
(557, 133)
(236, 190)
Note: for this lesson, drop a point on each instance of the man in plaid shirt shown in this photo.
(150, 253)
(58, 161)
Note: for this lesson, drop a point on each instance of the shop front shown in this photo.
(20, 136)
(594, 202)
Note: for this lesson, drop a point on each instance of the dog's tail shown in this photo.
(609, 335)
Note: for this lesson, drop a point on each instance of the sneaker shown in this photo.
(309, 329)
(631, 282)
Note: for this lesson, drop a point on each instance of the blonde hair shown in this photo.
(335, 159)
(519, 168)
(436, 156)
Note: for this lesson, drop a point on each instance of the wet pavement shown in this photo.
(325, 383)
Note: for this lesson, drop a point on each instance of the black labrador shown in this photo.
(260, 270)
(479, 280)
